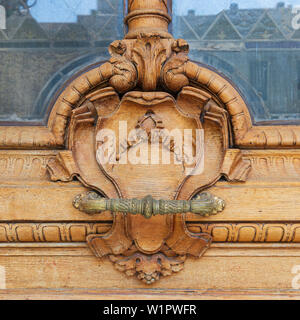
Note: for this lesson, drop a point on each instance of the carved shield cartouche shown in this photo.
(146, 175)
(147, 86)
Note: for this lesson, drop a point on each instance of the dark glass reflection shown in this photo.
(44, 43)
(256, 43)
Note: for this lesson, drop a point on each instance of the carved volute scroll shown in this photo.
(149, 85)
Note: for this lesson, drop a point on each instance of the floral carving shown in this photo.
(148, 63)
(147, 268)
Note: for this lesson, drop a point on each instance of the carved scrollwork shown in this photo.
(124, 74)
(145, 63)
(148, 249)
(173, 73)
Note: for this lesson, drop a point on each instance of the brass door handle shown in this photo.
(204, 204)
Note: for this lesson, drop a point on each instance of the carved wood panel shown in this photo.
(148, 91)
(149, 83)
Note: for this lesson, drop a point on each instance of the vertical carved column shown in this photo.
(148, 16)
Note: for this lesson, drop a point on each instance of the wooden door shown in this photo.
(150, 179)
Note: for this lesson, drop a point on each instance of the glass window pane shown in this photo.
(43, 43)
(255, 43)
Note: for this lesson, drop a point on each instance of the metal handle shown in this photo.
(204, 204)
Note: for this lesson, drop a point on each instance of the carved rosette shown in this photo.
(149, 82)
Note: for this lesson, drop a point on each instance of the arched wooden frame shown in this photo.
(181, 72)
(246, 135)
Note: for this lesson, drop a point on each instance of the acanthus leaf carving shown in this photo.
(148, 269)
(149, 54)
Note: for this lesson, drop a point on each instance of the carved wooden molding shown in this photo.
(150, 83)
(273, 165)
(246, 135)
(125, 69)
(177, 73)
(276, 232)
(267, 165)
(25, 165)
(35, 138)
(221, 232)
(50, 231)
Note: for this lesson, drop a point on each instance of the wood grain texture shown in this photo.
(271, 202)
(124, 295)
(234, 268)
(266, 165)
(149, 81)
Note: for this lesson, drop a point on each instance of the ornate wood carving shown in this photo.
(274, 165)
(50, 231)
(25, 165)
(267, 165)
(178, 72)
(150, 82)
(130, 56)
(160, 246)
(131, 85)
(232, 232)
(148, 268)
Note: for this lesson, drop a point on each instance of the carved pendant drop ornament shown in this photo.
(148, 139)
